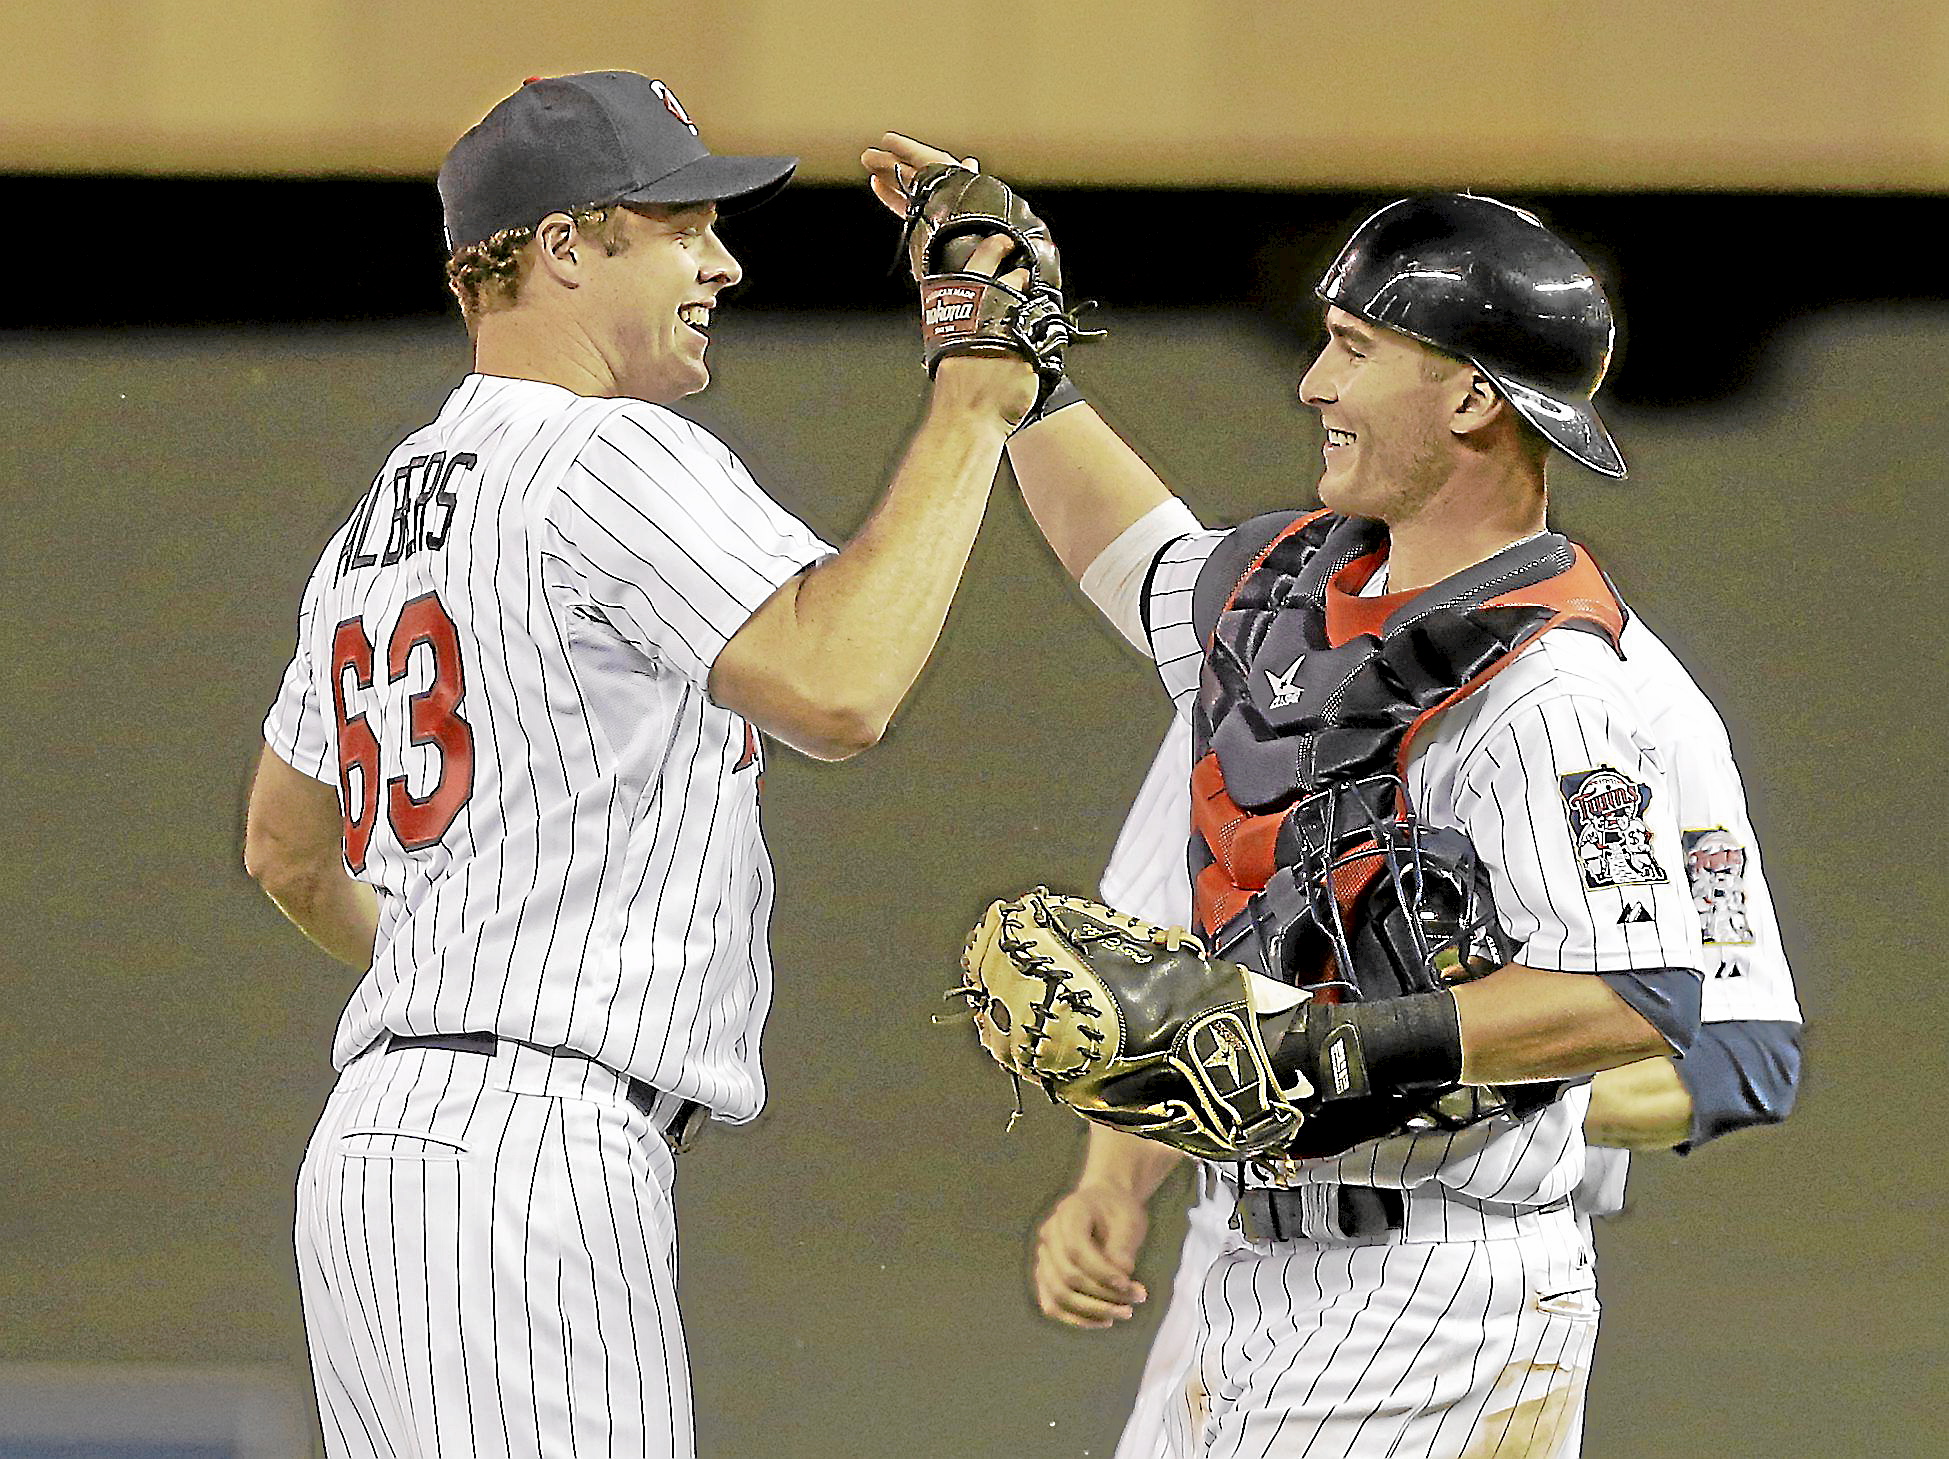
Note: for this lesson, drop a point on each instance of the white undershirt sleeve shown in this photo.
(1115, 580)
(1148, 875)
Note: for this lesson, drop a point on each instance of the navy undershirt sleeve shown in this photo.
(1739, 1073)
(1667, 999)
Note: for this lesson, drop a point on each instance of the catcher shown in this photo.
(1409, 715)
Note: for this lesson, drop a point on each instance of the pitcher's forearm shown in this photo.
(337, 913)
(874, 613)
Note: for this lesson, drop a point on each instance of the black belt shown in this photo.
(680, 1126)
(1353, 1213)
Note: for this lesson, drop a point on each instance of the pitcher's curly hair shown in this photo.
(487, 275)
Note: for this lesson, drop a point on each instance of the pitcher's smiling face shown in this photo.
(1387, 403)
(658, 293)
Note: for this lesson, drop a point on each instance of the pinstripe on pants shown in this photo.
(483, 1266)
(1409, 1350)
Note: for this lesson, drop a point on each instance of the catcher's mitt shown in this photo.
(950, 210)
(1128, 1024)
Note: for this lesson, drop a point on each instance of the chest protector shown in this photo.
(1309, 707)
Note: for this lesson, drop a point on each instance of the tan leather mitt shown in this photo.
(1128, 1024)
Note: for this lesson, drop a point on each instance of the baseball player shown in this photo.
(1421, 654)
(512, 775)
(1742, 1071)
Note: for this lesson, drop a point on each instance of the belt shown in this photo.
(680, 1123)
(1342, 1213)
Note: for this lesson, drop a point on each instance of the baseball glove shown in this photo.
(1128, 1024)
(950, 210)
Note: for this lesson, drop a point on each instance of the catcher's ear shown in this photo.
(1479, 405)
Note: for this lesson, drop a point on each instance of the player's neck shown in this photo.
(1459, 529)
(514, 348)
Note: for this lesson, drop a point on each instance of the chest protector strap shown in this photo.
(1295, 700)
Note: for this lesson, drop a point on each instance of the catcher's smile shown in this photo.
(696, 317)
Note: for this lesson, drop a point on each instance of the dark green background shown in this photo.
(853, 1265)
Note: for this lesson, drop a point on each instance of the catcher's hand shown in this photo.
(949, 207)
(1128, 1024)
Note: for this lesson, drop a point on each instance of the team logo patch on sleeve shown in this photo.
(1715, 864)
(1607, 826)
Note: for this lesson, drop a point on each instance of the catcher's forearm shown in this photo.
(1082, 483)
(1641, 1106)
(1352, 1050)
(1517, 1025)
(1523, 1024)
(1126, 1162)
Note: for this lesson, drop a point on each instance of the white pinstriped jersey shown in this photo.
(501, 661)
(1566, 728)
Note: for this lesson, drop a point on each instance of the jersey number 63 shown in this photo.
(432, 719)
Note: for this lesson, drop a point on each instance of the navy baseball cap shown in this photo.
(586, 141)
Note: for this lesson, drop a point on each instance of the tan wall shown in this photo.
(1649, 93)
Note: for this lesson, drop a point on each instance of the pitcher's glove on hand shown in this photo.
(950, 210)
(1129, 1024)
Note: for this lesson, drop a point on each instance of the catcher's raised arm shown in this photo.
(1082, 483)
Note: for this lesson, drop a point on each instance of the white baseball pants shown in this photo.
(487, 1254)
(1408, 1350)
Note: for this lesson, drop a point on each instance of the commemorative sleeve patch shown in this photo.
(1607, 827)
(1715, 864)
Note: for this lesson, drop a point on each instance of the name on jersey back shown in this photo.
(422, 502)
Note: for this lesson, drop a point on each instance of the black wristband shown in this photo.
(1390, 1046)
(1062, 394)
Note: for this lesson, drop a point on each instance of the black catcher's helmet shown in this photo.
(1490, 284)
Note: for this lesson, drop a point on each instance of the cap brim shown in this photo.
(1571, 426)
(735, 183)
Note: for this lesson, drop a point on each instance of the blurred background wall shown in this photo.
(1617, 93)
(226, 306)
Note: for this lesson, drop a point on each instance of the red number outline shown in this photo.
(433, 718)
(358, 747)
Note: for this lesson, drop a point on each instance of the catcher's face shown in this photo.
(652, 301)
(1386, 403)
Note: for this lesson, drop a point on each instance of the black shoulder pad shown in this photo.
(1227, 564)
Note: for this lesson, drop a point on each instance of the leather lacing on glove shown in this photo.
(1035, 323)
(1056, 990)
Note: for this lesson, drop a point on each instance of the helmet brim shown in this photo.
(1571, 426)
